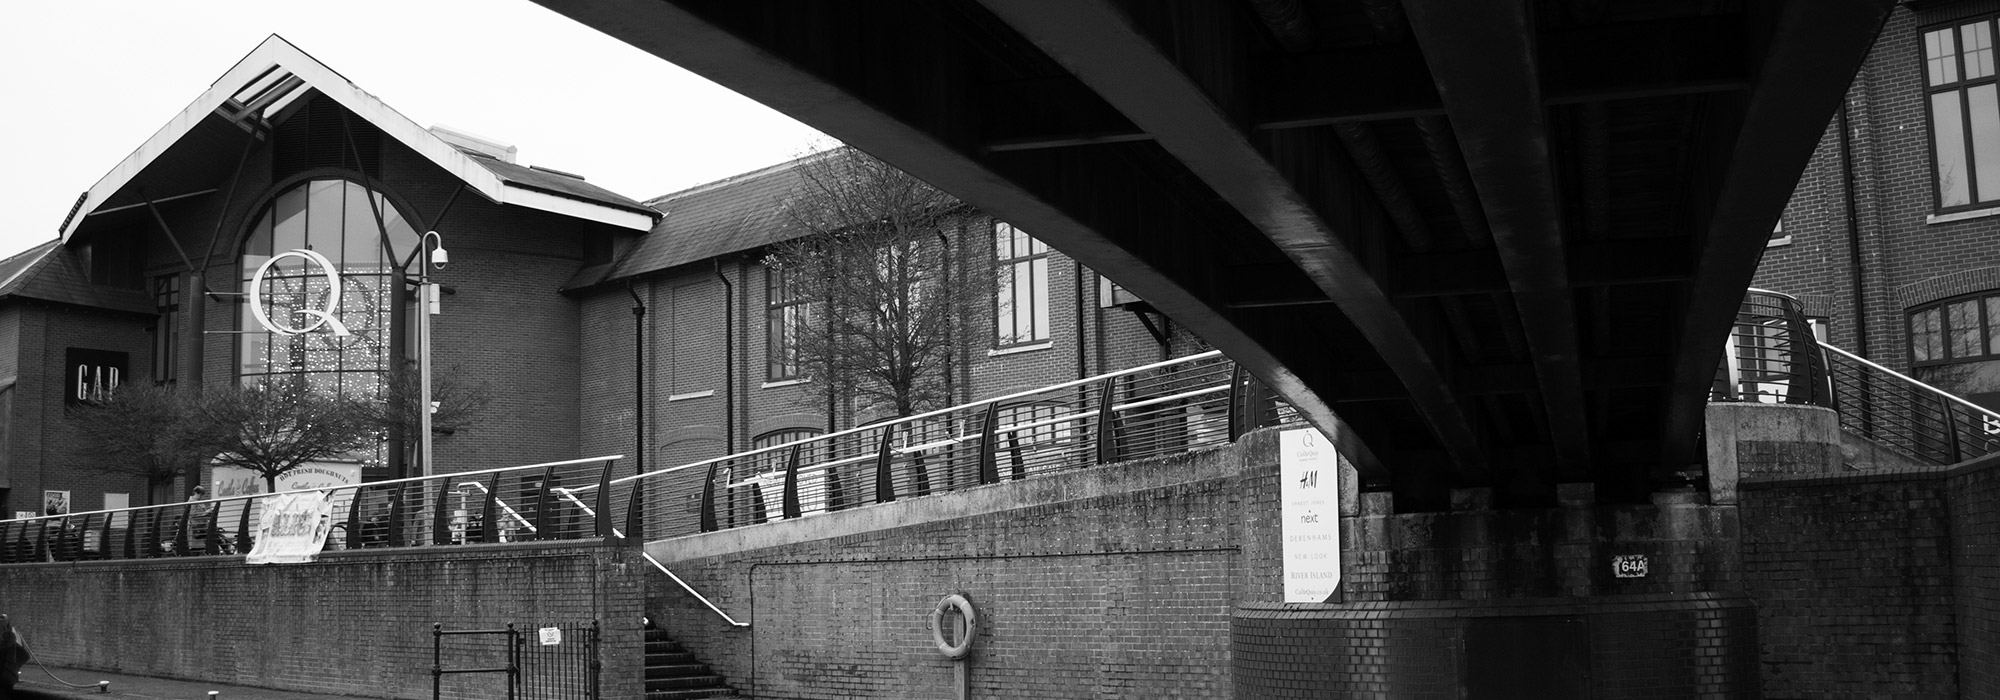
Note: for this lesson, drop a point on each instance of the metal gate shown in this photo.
(560, 662)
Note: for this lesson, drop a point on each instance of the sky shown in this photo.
(84, 82)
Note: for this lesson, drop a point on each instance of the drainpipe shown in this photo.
(728, 360)
(1080, 371)
(1853, 235)
(638, 378)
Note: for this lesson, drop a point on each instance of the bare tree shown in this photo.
(274, 427)
(884, 310)
(455, 402)
(151, 432)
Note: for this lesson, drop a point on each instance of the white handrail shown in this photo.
(357, 487)
(691, 591)
(921, 416)
(1926, 387)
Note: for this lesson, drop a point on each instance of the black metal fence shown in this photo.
(561, 662)
(1773, 356)
(1158, 409)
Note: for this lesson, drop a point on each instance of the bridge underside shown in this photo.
(1488, 244)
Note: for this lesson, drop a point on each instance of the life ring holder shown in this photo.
(964, 645)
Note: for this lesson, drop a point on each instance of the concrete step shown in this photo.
(669, 658)
(685, 683)
(676, 670)
(693, 694)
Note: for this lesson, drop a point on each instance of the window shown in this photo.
(1964, 113)
(1021, 287)
(167, 329)
(1956, 330)
(785, 315)
(336, 219)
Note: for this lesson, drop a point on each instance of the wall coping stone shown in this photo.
(1876, 476)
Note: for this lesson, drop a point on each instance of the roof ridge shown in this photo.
(739, 178)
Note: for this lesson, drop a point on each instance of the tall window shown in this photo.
(335, 219)
(785, 312)
(167, 328)
(1965, 113)
(1956, 330)
(1021, 287)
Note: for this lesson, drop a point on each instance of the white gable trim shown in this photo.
(278, 53)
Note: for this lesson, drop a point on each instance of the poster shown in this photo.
(291, 527)
(55, 503)
(1309, 508)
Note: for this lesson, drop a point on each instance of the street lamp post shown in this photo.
(434, 254)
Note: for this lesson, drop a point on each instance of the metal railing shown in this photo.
(1772, 356)
(1147, 411)
(528, 502)
(1908, 416)
(1152, 410)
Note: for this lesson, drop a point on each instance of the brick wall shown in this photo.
(1893, 194)
(1162, 578)
(352, 623)
(1115, 582)
(1657, 646)
(1975, 557)
(1853, 578)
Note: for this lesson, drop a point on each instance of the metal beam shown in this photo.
(1110, 53)
(1484, 59)
(1813, 51)
(1094, 204)
(1388, 82)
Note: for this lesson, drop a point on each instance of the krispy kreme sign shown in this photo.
(320, 317)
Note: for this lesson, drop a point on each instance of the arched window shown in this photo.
(336, 219)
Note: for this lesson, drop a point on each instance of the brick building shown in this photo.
(150, 281)
(1891, 238)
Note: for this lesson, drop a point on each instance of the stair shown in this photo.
(673, 674)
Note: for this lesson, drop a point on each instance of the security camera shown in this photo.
(439, 258)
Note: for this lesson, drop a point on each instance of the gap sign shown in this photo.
(1309, 498)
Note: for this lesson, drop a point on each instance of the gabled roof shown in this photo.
(197, 147)
(52, 272)
(731, 215)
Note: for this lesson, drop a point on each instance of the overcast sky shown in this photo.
(84, 82)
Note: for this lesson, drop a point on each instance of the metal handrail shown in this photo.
(144, 531)
(1913, 382)
(691, 591)
(918, 417)
(1772, 356)
(1161, 407)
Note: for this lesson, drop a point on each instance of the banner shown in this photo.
(237, 481)
(291, 528)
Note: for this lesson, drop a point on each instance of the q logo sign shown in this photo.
(321, 317)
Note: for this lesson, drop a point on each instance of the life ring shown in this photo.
(964, 645)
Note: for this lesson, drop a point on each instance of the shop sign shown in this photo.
(91, 375)
(1309, 508)
(322, 317)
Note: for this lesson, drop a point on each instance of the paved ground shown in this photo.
(36, 685)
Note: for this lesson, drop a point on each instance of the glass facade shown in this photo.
(335, 219)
